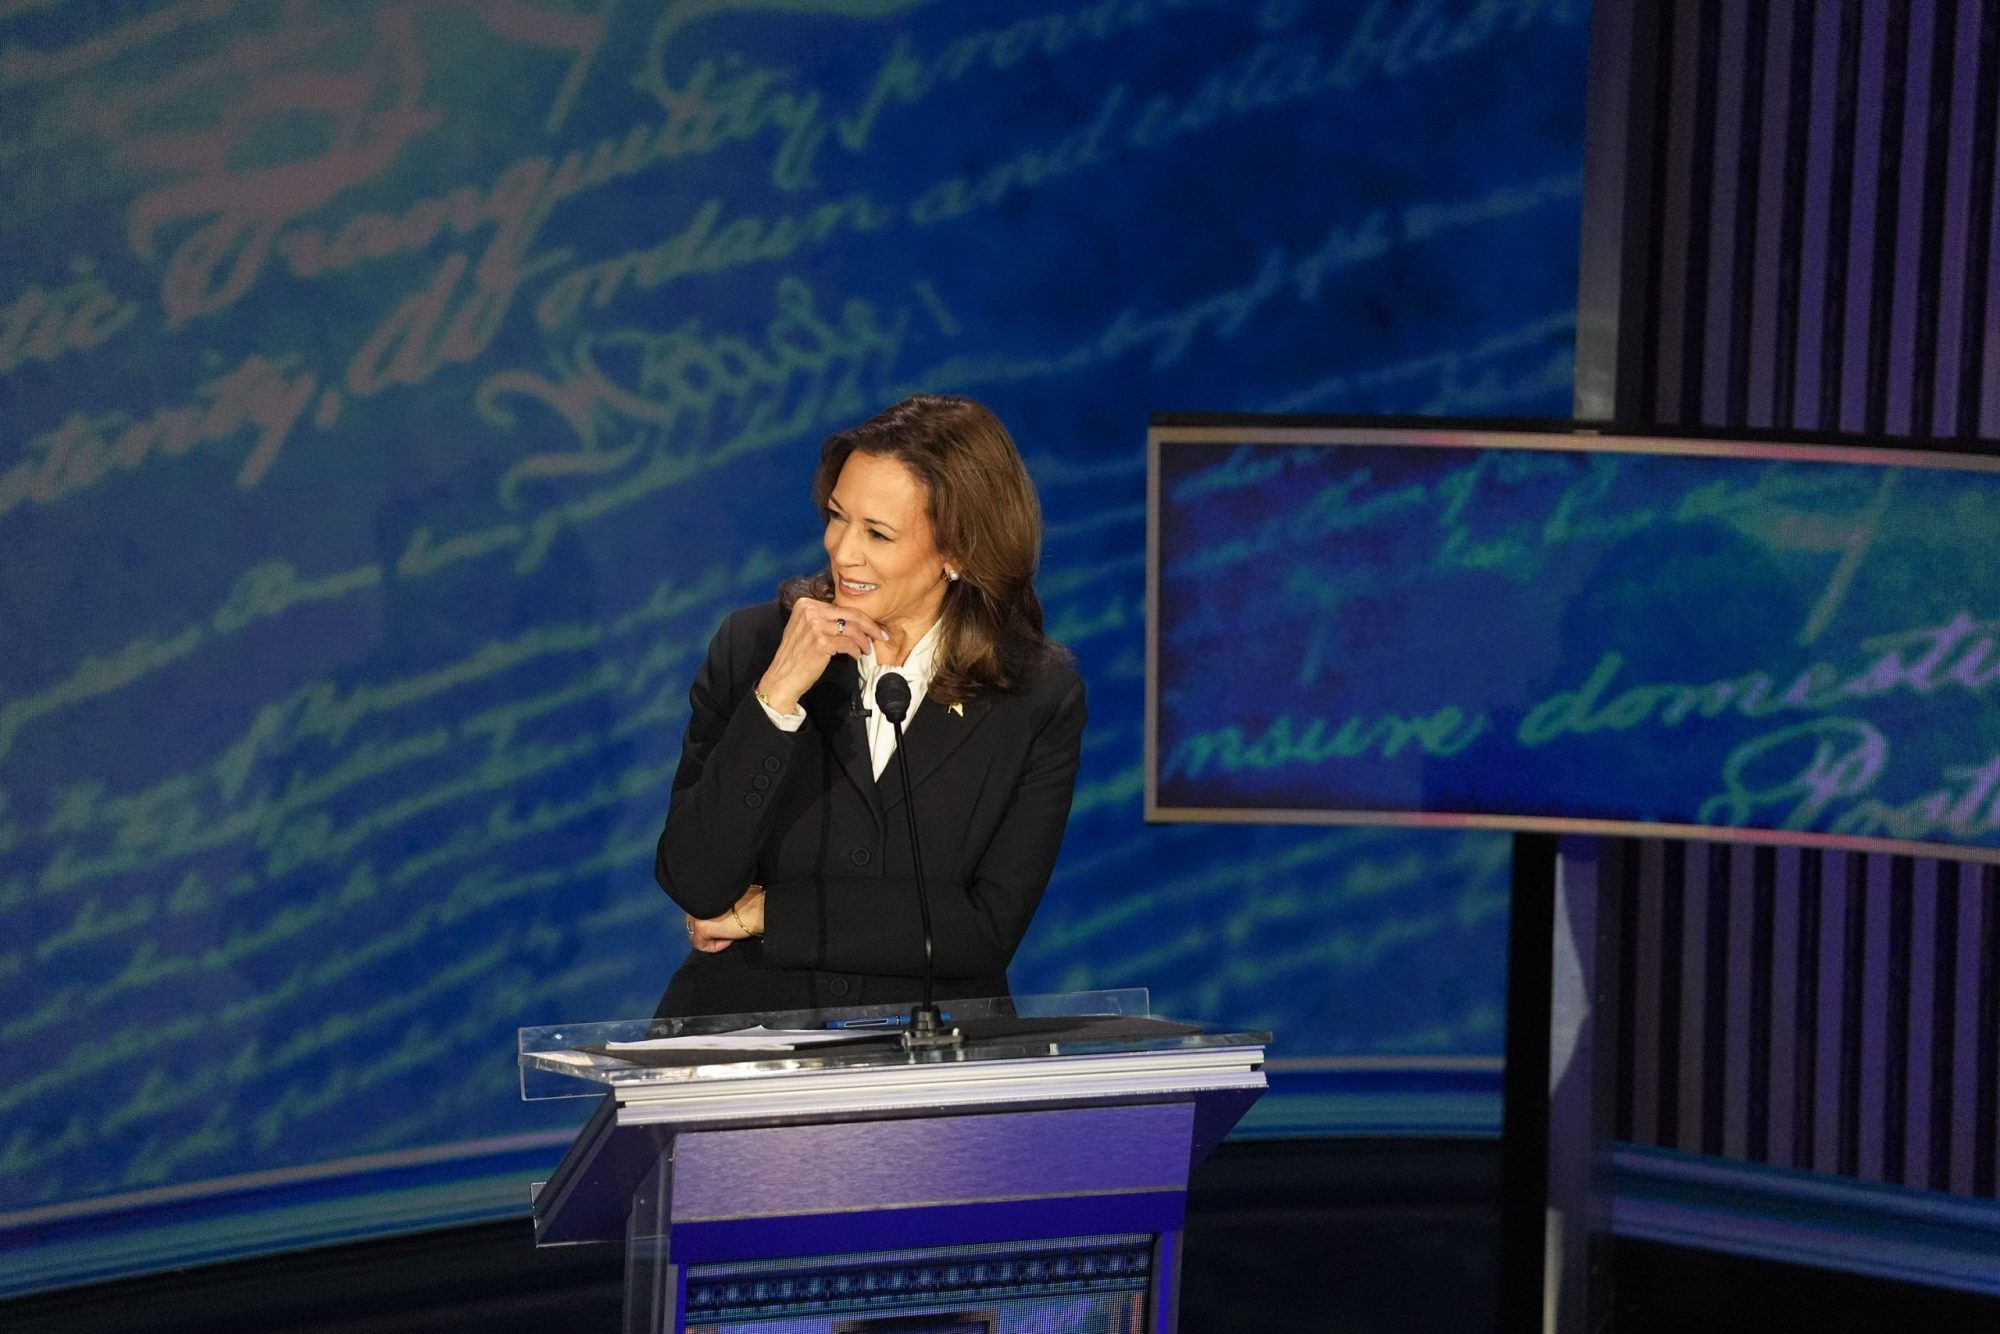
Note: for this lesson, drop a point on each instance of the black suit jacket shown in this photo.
(802, 814)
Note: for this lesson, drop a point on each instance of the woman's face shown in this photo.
(884, 559)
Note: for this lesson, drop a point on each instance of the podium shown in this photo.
(1033, 1178)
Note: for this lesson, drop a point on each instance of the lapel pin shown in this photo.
(958, 708)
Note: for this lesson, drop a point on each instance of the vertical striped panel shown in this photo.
(1823, 243)
(1986, 1134)
(1913, 238)
(1977, 349)
(1965, 1081)
(1833, 1012)
(1726, 199)
(1806, 1062)
(1851, 1017)
(1871, 1094)
(1754, 361)
(1740, 1006)
(1717, 961)
(1758, 964)
(1954, 217)
(1985, 386)
(1896, 1008)
(1645, 916)
(1818, 250)
(1782, 1058)
(1876, 117)
(1841, 211)
(1817, 233)
(1914, 1167)
(1673, 935)
(1691, 1066)
(1945, 1047)
(1677, 202)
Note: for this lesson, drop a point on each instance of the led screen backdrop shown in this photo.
(396, 396)
(1478, 626)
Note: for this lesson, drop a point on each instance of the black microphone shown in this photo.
(892, 696)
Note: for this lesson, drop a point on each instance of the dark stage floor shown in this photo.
(1323, 1235)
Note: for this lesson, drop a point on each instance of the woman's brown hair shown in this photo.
(985, 519)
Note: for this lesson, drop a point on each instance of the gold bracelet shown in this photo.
(748, 934)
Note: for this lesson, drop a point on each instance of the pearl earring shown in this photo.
(951, 574)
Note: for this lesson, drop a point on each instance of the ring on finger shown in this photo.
(840, 622)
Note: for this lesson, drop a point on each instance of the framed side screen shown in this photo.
(1548, 628)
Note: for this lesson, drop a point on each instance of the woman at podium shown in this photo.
(787, 839)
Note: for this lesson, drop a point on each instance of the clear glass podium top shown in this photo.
(581, 1060)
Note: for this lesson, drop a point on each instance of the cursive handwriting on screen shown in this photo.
(1683, 639)
(398, 394)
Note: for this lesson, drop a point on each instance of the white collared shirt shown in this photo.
(917, 669)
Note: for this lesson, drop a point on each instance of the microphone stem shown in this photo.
(917, 860)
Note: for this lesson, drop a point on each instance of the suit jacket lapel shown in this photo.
(830, 705)
(928, 741)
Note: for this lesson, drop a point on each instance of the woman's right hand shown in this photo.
(814, 634)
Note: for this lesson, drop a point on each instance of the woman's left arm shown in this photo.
(977, 925)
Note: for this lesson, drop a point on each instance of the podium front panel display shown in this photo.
(1075, 1283)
